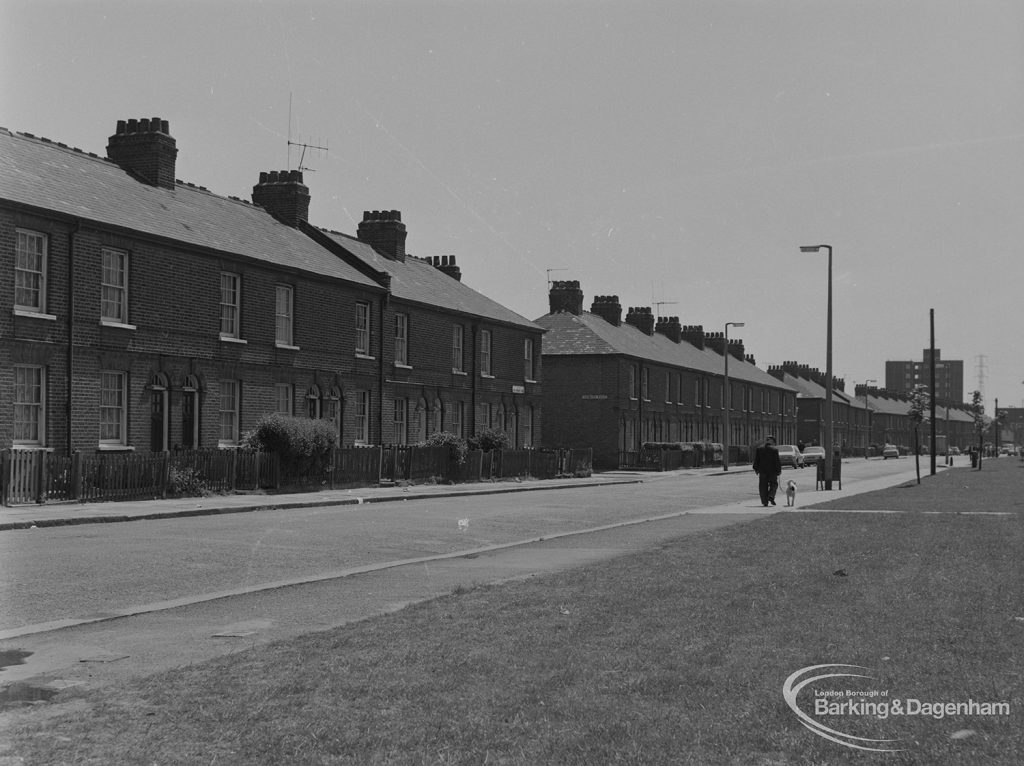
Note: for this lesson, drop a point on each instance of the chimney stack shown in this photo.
(736, 348)
(608, 308)
(446, 265)
(694, 335)
(384, 231)
(716, 342)
(566, 296)
(283, 194)
(145, 149)
(642, 318)
(670, 328)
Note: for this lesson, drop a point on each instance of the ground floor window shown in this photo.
(230, 398)
(190, 413)
(113, 412)
(283, 395)
(401, 421)
(362, 417)
(29, 406)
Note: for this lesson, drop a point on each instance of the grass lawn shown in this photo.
(676, 655)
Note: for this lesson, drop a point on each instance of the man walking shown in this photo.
(767, 466)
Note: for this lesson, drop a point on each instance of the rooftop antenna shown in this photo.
(302, 157)
(548, 272)
(659, 304)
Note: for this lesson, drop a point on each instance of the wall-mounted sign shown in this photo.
(594, 396)
(518, 389)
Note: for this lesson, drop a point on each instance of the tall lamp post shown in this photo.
(727, 396)
(828, 365)
(867, 418)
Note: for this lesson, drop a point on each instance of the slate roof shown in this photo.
(419, 281)
(585, 334)
(48, 176)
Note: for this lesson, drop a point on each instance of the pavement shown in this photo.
(113, 647)
(59, 514)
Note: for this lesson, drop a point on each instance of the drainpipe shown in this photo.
(473, 375)
(380, 373)
(71, 328)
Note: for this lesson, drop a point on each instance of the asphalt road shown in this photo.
(206, 586)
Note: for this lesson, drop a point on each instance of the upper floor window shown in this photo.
(230, 305)
(679, 388)
(485, 352)
(632, 381)
(528, 358)
(113, 409)
(114, 286)
(458, 359)
(283, 313)
(363, 328)
(30, 272)
(645, 380)
(29, 406)
(668, 388)
(402, 339)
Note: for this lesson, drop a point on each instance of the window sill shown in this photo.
(227, 445)
(529, 380)
(459, 372)
(486, 375)
(117, 325)
(366, 356)
(30, 314)
(31, 448)
(286, 346)
(115, 448)
(232, 339)
(400, 366)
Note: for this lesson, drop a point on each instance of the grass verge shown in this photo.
(672, 656)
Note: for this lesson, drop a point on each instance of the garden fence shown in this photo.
(40, 476)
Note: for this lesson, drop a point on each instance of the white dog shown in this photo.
(790, 493)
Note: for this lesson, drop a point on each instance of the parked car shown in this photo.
(889, 451)
(813, 455)
(790, 455)
(954, 450)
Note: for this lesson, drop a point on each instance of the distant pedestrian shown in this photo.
(767, 466)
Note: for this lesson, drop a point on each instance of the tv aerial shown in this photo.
(302, 157)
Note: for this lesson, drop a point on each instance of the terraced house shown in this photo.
(614, 383)
(140, 312)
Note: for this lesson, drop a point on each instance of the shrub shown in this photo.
(490, 439)
(186, 482)
(458, 446)
(300, 443)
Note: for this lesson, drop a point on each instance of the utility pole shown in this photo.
(931, 316)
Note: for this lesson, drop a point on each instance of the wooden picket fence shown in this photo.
(40, 476)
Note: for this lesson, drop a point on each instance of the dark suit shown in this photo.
(768, 467)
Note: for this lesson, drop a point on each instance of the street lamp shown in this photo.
(867, 418)
(828, 365)
(727, 396)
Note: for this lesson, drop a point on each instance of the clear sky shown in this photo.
(674, 152)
